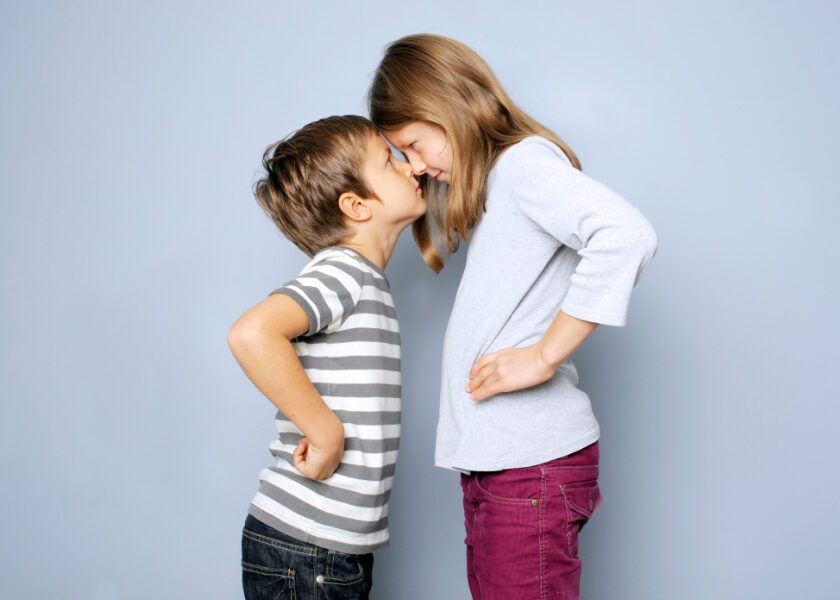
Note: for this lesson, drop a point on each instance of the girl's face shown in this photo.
(426, 147)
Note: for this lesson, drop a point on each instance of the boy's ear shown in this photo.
(354, 207)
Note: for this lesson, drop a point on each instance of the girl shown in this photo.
(552, 255)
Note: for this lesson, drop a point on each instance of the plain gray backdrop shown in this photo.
(130, 242)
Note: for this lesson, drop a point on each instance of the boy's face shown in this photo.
(393, 182)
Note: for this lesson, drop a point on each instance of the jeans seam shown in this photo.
(275, 542)
(500, 499)
(568, 520)
(353, 581)
(541, 534)
(285, 573)
(315, 576)
(571, 468)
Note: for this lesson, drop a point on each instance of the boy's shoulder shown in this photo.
(351, 262)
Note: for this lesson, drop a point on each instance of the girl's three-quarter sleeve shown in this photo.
(614, 240)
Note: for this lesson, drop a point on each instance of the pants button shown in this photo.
(320, 579)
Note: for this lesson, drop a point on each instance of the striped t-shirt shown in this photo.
(351, 353)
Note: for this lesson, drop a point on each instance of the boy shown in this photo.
(325, 350)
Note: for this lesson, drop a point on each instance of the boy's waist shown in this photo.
(338, 508)
(355, 485)
(370, 451)
(321, 534)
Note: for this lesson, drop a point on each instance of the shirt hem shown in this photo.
(594, 316)
(271, 521)
(468, 466)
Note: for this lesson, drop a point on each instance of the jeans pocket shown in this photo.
(268, 570)
(343, 568)
(512, 486)
(347, 576)
(582, 501)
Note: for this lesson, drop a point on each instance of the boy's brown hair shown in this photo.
(306, 173)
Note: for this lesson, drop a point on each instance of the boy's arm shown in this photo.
(260, 341)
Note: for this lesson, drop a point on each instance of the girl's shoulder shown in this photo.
(531, 153)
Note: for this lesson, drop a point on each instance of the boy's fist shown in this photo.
(316, 462)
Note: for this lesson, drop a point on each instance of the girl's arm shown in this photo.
(612, 238)
(519, 368)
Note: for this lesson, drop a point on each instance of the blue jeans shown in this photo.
(276, 566)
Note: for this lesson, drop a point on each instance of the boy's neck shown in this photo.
(377, 249)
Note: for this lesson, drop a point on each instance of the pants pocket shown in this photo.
(511, 486)
(268, 570)
(582, 502)
(343, 568)
(347, 576)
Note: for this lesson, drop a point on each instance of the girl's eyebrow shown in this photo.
(398, 144)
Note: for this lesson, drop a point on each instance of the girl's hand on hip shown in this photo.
(508, 370)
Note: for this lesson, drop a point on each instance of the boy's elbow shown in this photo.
(243, 334)
(234, 338)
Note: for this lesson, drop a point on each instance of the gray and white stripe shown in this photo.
(352, 356)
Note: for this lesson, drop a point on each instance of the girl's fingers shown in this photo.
(480, 376)
(479, 364)
(491, 387)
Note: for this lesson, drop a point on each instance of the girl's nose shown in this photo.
(417, 165)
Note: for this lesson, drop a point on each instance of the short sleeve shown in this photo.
(614, 241)
(328, 289)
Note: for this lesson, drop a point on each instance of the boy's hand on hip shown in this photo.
(508, 370)
(317, 462)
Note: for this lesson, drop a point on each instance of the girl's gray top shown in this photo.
(551, 239)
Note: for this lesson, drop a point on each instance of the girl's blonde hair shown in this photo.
(426, 77)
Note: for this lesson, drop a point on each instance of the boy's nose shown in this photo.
(408, 169)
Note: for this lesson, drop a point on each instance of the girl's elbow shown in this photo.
(645, 249)
(647, 241)
(651, 242)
